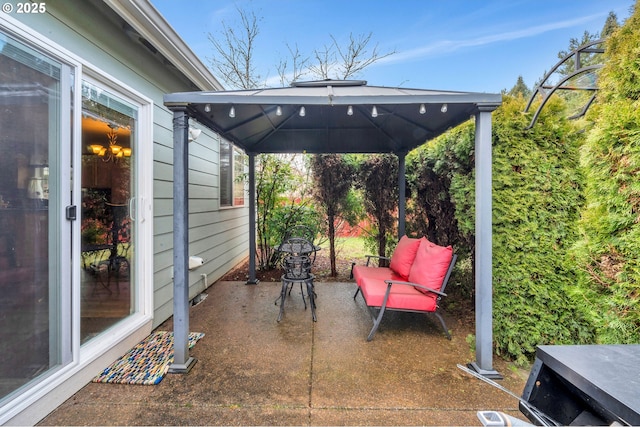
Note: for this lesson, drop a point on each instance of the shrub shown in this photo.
(537, 195)
(607, 253)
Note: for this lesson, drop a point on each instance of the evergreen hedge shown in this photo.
(537, 196)
(608, 253)
(566, 206)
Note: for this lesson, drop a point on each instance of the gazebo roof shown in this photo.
(270, 120)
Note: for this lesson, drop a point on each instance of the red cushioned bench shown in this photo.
(414, 281)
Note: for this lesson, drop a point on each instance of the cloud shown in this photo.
(448, 46)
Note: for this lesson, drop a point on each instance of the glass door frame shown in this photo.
(63, 348)
(141, 213)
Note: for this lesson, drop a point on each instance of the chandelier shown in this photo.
(114, 151)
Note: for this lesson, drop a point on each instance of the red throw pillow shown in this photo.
(430, 265)
(403, 256)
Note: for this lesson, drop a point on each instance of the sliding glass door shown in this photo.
(109, 132)
(35, 101)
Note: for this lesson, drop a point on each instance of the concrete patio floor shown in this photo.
(252, 370)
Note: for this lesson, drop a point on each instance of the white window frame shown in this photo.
(236, 186)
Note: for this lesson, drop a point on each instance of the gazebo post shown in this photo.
(484, 256)
(182, 363)
(401, 193)
(252, 220)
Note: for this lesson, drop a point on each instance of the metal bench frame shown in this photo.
(377, 319)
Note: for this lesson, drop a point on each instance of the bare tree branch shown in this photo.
(235, 56)
(355, 57)
(235, 52)
(298, 64)
(324, 60)
(344, 62)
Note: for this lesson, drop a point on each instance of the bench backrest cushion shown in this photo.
(430, 265)
(404, 255)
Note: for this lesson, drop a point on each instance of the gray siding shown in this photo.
(219, 236)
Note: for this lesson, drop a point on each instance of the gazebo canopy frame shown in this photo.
(333, 116)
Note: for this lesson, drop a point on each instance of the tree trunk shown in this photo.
(382, 247)
(332, 244)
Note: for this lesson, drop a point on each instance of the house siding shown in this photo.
(93, 34)
(220, 237)
(210, 235)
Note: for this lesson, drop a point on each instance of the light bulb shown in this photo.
(232, 111)
(374, 112)
(303, 111)
(279, 111)
(349, 110)
(423, 109)
(207, 108)
(444, 108)
(95, 148)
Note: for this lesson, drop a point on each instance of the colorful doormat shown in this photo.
(147, 362)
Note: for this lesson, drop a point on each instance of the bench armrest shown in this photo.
(376, 256)
(415, 285)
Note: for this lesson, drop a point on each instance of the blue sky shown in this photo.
(466, 45)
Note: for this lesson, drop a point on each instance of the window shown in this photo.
(232, 170)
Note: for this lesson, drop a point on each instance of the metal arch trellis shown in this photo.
(547, 89)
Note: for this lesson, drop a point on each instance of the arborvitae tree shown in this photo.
(332, 177)
(610, 25)
(608, 251)
(586, 59)
(520, 89)
(377, 177)
(537, 196)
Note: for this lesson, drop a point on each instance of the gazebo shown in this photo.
(333, 116)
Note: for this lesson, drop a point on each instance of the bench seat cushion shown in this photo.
(402, 297)
(379, 273)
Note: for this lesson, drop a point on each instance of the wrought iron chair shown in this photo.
(299, 240)
(110, 260)
(296, 264)
(302, 231)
